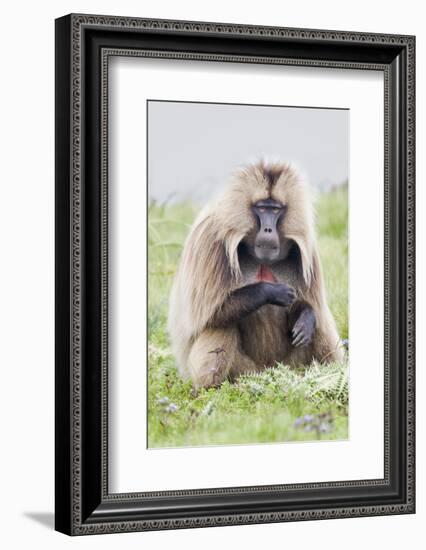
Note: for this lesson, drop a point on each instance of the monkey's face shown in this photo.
(265, 243)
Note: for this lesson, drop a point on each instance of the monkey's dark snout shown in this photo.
(267, 242)
(267, 245)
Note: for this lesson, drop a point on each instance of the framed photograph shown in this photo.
(234, 274)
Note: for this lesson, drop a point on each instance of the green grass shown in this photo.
(280, 404)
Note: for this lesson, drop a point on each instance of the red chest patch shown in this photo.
(265, 274)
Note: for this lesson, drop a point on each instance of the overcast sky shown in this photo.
(194, 147)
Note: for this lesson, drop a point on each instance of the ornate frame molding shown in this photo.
(73, 50)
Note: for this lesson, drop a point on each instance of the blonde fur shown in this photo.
(210, 270)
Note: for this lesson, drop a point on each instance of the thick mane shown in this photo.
(209, 270)
(206, 262)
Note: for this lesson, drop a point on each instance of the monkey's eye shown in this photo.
(275, 210)
(261, 209)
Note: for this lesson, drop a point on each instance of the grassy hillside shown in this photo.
(280, 404)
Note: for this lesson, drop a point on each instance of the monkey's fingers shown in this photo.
(291, 295)
(288, 297)
(302, 343)
(296, 333)
(299, 337)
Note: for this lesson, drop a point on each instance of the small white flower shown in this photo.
(163, 401)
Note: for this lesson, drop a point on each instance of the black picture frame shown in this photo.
(83, 45)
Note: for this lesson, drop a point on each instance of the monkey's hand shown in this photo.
(279, 294)
(304, 328)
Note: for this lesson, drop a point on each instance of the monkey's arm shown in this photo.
(302, 323)
(245, 300)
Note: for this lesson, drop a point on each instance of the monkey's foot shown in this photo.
(213, 371)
